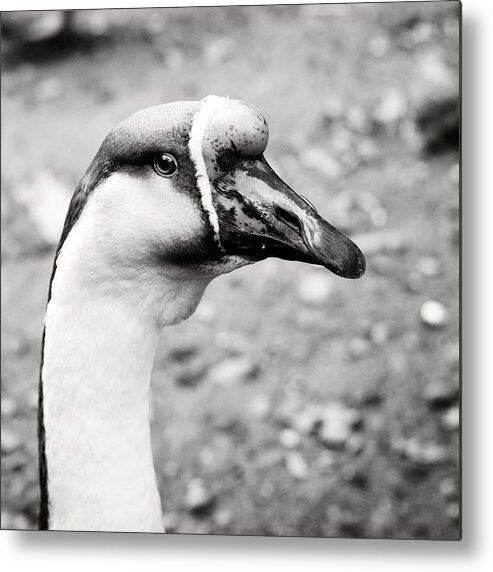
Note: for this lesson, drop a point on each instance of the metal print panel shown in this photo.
(233, 233)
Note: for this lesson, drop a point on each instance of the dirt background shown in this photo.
(292, 402)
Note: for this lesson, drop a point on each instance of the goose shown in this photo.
(176, 195)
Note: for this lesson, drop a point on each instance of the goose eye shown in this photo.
(165, 165)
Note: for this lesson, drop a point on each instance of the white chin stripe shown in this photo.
(207, 107)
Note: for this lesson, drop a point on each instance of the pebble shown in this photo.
(9, 406)
(333, 108)
(391, 108)
(184, 352)
(423, 32)
(266, 490)
(305, 421)
(46, 200)
(379, 217)
(31, 399)
(14, 461)
(287, 410)
(397, 363)
(366, 149)
(343, 522)
(315, 288)
(260, 407)
(206, 312)
(49, 89)
(369, 396)
(380, 242)
(417, 174)
(207, 458)
(357, 119)
(289, 438)
(155, 27)
(357, 476)
(411, 341)
(378, 46)
(296, 465)
(373, 208)
(7, 520)
(428, 266)
(10, 441)
(191, 374)
(268, 458)
(307, 318)
(219, 51)
(454, 174)
(170, 521)
(223, 518)
(232, 371)
(421, 453)
(231, 343)
(408, 132)
(170, 469)
(355, 444)
(453, 511)
(414, 282)
(197, 498)
(451, 419)
(438, 79)
(367, 201)
(40, 26)
(440, 393)
(358, 347)
(383, 518)
(98, 23)
(337, 424)
(447, 487)
(326, 461)
(16, 522)
(437, 119)
(379, 333)
(321, 162)
(433, 314)
(452, 355)
(454, 235)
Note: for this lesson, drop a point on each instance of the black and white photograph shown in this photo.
(230, 287)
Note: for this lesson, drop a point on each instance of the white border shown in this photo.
(82, 552)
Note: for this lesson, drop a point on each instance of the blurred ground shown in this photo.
(292, 402)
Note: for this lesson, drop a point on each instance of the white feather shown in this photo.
(209, 105)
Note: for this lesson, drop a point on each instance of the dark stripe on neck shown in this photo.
(43, 467)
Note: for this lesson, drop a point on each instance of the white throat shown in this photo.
(102, 327)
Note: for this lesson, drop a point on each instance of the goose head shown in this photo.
(184, 188)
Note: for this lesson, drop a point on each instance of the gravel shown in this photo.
(315, 288)
(451, 419)
(296, 465)
(289, 438)
(232, 371)
(197, 498)
(337, 425)
(434, 314)
(440, 393)
(380, 242)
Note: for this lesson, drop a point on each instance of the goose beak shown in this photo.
(261, 216)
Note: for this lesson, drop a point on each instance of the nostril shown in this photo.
(288, 219)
